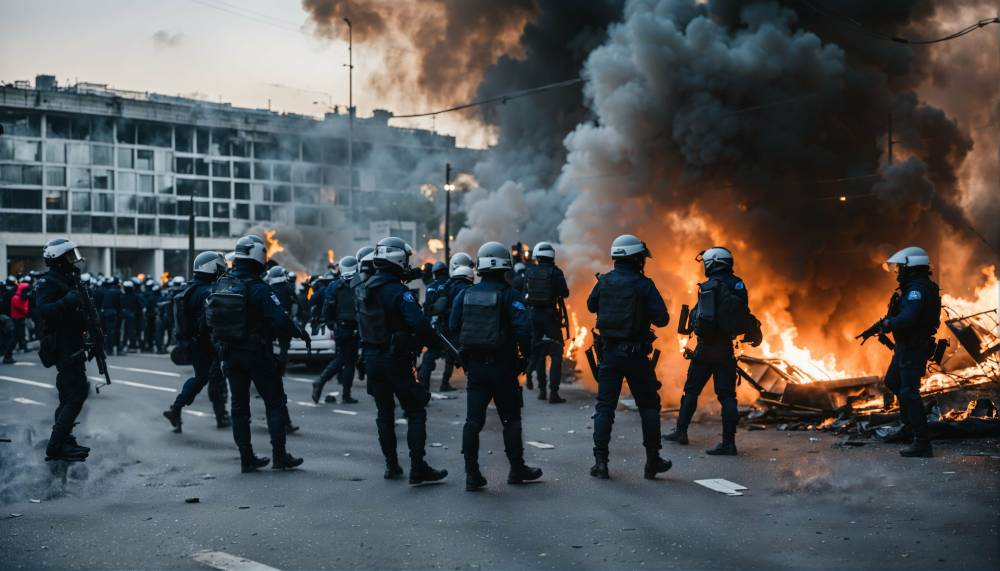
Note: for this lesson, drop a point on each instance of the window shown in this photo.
(261, 212)
(126, 203)
(55, 152)
(167, 205)
(202, 209)
(184, 139)
(201, 229)
(56, 199)
(260, 193)
(220, 169)
(78, 153)
(55, 176)
(126, 133)
(143, 160)
(55, 223)
(241, 169)
(57, 127)
(102, 155)
(201, 167)
(17, 174)
(79, 128)
(6, 149)
(20, 198)
(21, 222)
(80, 223)
(165, 184)
(126, 226)
(241, 190)
(307, 216)
(220, 229)
(164, 160)
(104, 179)
(146, 204)
(283, 172)
(220, 189)
(283, 193)
(80, 201)
(202, 141)
(168, 227)
(312, 150)
(102, 130)
(220, 210)
(187, 186)
(103, 202)
(335, 151)
(146, 183)
(146, 227)
(125, 158)
(241, 211)
(21, 123)
(155, 135)
(79, 177)
(126, 181)
(239, 148)
(28, 151)
(306, 195)
(261, 171)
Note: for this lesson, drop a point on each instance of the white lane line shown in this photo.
(149, 371)
(299, 379)
(27, 382)
(23, 400)
(195, 412)
(347, 412)
(135, 384)
(308, 404)
(24, 364)
(226, 562)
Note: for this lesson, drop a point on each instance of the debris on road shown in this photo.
(192, 501)
(722, 486)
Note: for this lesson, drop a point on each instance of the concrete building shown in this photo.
(120, 172)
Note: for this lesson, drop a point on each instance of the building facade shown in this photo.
(121, 172)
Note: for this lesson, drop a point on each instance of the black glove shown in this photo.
(72, 300)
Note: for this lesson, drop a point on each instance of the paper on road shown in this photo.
(722, 486)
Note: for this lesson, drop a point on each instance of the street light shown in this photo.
(350, 120)
(448, 188)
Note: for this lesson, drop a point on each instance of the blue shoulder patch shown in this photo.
(408, 297)
(739, 285)
(518, 305)
(914, 295)
(274, 298)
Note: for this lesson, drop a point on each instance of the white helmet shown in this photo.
(85, 277)
(459, 259)
(128, 284)
(211, 263)
(392, 252)
(493, 256)
(348, 267)
(519, 267)
(910, 257)
(251, 248)
(178, 281)
(628, 245)
(544, 250)
(60, 247)
(276, 275)
(462, 273)
(715, 258)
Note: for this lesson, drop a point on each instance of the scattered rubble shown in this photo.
(722, 486)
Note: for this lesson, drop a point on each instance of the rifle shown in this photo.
(564, 318)
(93, 335)
(876, 330)
(450, 348)
(593, 353)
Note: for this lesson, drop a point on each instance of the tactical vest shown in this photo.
(344, 297)
(185, 328)
(539, 287)
(226, 311)
(720, 311)
(373, 326)
(621, 313)
(481, 320)
(930, 313)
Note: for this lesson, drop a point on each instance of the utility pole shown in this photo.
(190, 256)
(448, 187)
(350, 121)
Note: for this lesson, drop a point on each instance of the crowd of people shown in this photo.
(235, 319)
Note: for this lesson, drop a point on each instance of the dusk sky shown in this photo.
(244, 52)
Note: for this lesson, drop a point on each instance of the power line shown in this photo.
(254, 16)
(829, 12)
(498, 99)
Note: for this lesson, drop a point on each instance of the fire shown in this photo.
(818, 368)
(164, 278)
(330, 255)
(435, 245)
(141, 276)
(273, 244)
(579, 338)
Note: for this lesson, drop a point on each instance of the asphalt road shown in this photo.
(809, 505)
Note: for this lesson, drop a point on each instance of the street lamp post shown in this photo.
(448, 187)
(350, 120)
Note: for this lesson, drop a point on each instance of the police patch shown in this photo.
(739, 285)
(914, 295)
(408, 298)
(519, 306)
(274, 298)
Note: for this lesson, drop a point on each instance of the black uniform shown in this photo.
(149, 299)
(494, 329)
(111, 307)
(286, 297)
(545, 286)
(59, 308)
(433, 310)
(131, 313)
(340, 316)
(627, 303)
(914, 317)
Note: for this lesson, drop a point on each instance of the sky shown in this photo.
(247, 52)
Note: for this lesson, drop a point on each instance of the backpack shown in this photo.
(226, 311)
(720, 311)
(539, 287)
(372, 323)
(621, 312)
(481, 320)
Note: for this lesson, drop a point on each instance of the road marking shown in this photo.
(299, 379)
(195, 412)
(347, 412)
(137, 385)
(23, 400)
(308, 404)
(150, 371)
(24, 364)
(27, 382)
(226, 562)
(541, 445)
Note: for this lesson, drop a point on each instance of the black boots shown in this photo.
(392, 469)
(347, 399)
(600, 467)
(474, 479)
(285, 461)
(920, 448)
(317, 391)
(655, 465)
(446, 388)
(65, 449)
(679, 436)
(250, 462)
(521, 473)
(724, 448)
(223, 420)
(554, 397)
(174, 416)
(421, 472)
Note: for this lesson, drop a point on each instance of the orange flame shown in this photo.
(164, 278)
(273, 244)
(330, 255)
(435, 245)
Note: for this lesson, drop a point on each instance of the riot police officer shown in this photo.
(627, 303)
(366, 269)
(435, 303)
(461, 277)
(245, 316)
(913, 319)
(59, 307)
(494, 330)
(111, 306)
(277, 278)
(129, 314)
(545, 289)
(193, 334)
(393, 329)
(721, 314)
(149, 297)
(341, 319)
